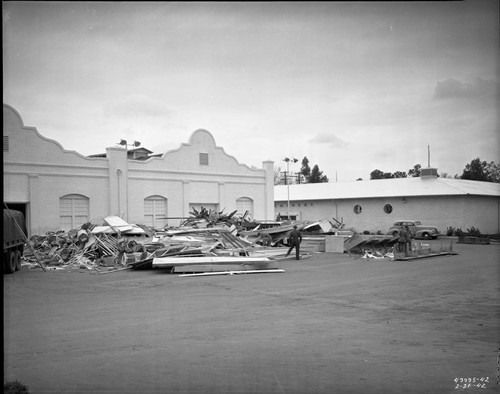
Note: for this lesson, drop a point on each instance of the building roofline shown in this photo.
(386, 188)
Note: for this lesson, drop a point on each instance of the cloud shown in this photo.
(331, 139)
(137, 105)
(452, 88)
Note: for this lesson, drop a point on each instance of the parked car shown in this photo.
(417, 229)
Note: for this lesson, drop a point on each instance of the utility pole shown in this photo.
(298, 177)
(284, 173)
(288, 160)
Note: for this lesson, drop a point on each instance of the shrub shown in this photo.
(15, 387)
(474, 231)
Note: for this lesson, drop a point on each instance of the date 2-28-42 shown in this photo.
(465, 383)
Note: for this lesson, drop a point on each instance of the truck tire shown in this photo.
(9, 265)
(18, 260)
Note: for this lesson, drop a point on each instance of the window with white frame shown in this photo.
(73, 211)
(244, 204)
(155, 211)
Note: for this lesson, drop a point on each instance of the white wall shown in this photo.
(38, 171)
(442, 211)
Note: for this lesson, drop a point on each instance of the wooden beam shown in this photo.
(234, 272)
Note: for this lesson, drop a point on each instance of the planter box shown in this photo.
(469, 239)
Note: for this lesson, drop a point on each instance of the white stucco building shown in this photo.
(60, 189)
(376, 204)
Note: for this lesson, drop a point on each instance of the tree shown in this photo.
(493, 172)
(415, 171)
(478, 170)
(400, 174)
(305, 170)
(311, 176)
(377, 174)
(317, 176)
(278, 176)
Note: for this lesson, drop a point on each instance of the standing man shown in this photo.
(295, 238)
(402, 240)
(409, 236)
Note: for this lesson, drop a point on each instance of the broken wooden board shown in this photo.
(322, 226)
(402, 257)
(225, 267)
(168, 262)
(362, 240)
(270, 271)
(186, 230)
(121, 226)
(267, 251)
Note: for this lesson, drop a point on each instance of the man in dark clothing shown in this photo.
(402, 240)
(409, 236)
(294, 239)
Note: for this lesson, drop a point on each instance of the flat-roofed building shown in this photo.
(375, 205)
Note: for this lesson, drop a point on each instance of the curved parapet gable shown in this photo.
(201, 141)
(202, 136)
(27, 144)
(11, 118)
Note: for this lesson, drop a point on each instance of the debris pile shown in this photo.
(204, 242)
(87, 247)
(371, 246)
(201, 242)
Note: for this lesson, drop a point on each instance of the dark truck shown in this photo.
(13, 240)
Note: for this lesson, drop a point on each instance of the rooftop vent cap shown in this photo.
(429, 173)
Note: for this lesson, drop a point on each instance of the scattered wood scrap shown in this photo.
(270, 271)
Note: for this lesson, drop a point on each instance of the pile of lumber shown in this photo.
(208, 242)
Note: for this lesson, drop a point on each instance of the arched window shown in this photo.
(357, 209)
(387, 208)
(155, 211)
(73, 211)
(244, 204)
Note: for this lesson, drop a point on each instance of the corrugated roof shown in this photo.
(396, 187)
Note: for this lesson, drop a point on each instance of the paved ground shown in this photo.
(329, 324)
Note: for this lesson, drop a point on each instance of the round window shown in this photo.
(387, 208)
(357, 209)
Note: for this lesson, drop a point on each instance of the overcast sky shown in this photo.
(354, 86)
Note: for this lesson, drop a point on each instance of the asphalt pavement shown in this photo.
(329, 324)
